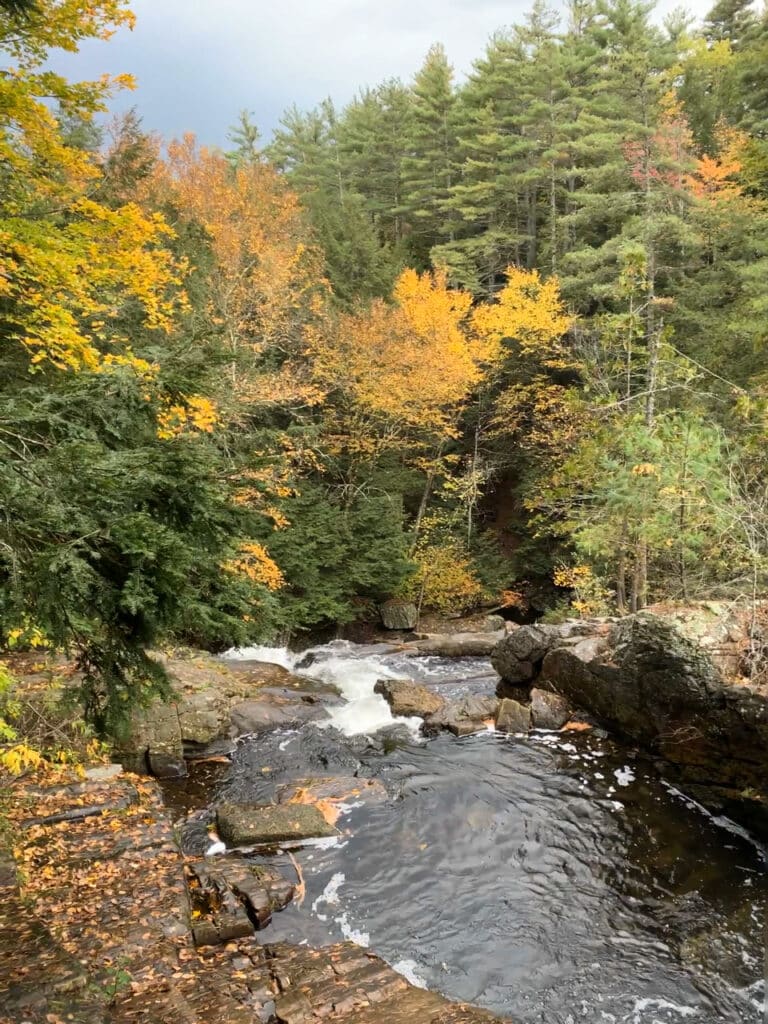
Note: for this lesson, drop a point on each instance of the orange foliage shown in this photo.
(254, 562)
(265, 278)
(713, 180)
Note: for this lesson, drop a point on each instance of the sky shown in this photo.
(198, 63)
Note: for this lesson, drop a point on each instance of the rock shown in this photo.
(334, 788)
(455, 645)
(658, 687)
(261, 715)
(215, 700)
(154, 743)
(493, 624)
(409, 699)
(519, 654)
(521, 692)
(513, 717)
(463, 717)
(348, 985)
(399, 615)
(241, 825)
(103, 772)
(548, 710)
(232, 898)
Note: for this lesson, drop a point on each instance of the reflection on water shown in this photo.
(553, 880)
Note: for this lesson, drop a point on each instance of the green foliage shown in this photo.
(112, 537)
(334, 554)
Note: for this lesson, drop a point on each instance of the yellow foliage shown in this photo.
(266, 279)
(591, 597)
(69, 264)
(254, 562)
(196, 414)
(20, 758)
(410, 365)
(530, 311)
(444, 578)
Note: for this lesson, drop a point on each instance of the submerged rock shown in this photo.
(407, 699)
(241, 825)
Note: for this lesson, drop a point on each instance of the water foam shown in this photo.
(352, 672)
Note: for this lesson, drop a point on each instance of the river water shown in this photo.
(553, 879)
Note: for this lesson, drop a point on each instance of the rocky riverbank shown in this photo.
(673, 683)
(103, 919)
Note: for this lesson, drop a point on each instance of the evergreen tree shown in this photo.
(429, 163)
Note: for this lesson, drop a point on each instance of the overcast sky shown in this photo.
(199, 62)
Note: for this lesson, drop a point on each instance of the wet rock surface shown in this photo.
(662, 687)
(270, 823)
(142, 935)
(513, 717)
(215, 701)
(463, 717)
(407, 699)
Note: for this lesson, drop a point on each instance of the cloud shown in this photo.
(199, 63)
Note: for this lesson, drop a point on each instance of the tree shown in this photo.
(429, 164)
(117, 520)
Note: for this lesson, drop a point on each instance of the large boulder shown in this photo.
(663, 687)
(399, 615)
(518, 656)
(216, 700)
(407, 699)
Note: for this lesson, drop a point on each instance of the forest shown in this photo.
(470, 342)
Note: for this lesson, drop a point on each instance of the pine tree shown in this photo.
(428, 164)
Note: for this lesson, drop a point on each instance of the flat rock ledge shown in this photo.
(104, 921)
(214, 702)
(271, 824)
(670, 683)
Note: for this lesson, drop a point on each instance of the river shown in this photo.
(553, 879)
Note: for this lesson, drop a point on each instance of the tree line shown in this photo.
(450, 343)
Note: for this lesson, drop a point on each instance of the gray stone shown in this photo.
(409, 699)
(518, 654)
(513, 717)
(455, 645)
(103, 772)
(463, 717)
(166, 766)
(548, 710)
(241, 825)
(261, 715)
(493, 624)
(399, 615)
